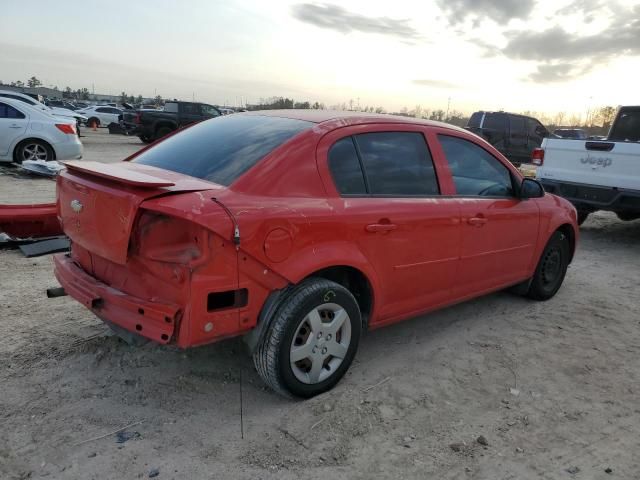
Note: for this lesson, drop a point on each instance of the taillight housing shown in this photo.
(163, 238)
(537, 156)
(66, 128)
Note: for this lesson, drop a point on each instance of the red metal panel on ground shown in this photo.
(30, 220)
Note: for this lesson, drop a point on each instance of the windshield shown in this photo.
(223, 148)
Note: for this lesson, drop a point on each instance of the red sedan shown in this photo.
(302, 229)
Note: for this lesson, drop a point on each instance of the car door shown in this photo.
(498, 230)
(385, 183)
(114, 115)
(209, 111)
(518, 150)
(494, 130)
(104, 115)
(190, 113)
(13, 125)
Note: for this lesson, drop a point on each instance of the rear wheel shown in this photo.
(33, 149)
(311, 340)
(145, 139)
(93, 122)
(163, 132)
(551, 268)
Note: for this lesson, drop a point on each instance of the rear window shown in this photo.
(223, 148)
(626, 127)
(474, 121)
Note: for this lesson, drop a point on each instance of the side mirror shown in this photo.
(531, 188)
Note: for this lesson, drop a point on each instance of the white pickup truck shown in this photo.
(596, 174)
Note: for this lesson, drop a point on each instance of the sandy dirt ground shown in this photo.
(553, 388)
(99, 146)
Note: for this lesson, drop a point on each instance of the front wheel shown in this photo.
(311, 341)
(551, 268)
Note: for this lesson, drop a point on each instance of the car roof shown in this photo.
(19, 105)
(349, 117)
(19, 94)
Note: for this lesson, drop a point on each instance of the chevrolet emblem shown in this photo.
(76, 206)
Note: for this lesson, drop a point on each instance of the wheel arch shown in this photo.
(164, 124)
(19, 143)
(353, 280)
(350, 277)
(568, 230)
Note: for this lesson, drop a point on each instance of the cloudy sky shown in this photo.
(545, 56)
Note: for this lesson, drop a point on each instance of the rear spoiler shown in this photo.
(118, 172)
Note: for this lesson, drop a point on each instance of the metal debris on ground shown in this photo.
(45, 247)
(126, 435)
(42, 167)
(9, 242)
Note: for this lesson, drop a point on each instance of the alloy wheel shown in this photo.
(34, 151)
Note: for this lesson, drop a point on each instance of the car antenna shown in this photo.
(236, 227)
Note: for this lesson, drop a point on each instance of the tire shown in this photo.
(163, 132)
(295, 328)
(93, 120)
(551, 268)
(33, 149)
(145, 139)
(582, 216)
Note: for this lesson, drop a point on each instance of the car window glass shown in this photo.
(16, 97)
(626, 127)
(191, 108)
(475, 171)
(397, 163)
(7, 111)
(345, 168)
(494, 121)
(210, 111)
(102, 110)
(171, 107)
(474, 121)
(222, 149)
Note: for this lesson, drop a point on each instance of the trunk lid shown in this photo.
(98, 203)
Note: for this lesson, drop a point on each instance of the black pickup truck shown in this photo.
(150, 125)
(513, 135)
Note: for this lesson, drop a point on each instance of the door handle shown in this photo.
(15, 126)
(477, 221)
(380, 227)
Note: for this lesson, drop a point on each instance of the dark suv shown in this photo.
(513, 135)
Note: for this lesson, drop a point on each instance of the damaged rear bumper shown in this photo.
(153, 320)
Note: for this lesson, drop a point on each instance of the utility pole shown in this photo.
(448, 105)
